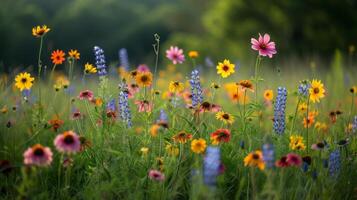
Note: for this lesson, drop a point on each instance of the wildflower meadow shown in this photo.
(180, 127)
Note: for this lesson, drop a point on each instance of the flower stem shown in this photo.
(294, 119)
(256, 71)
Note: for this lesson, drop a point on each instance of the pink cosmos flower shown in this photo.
(144, 106)
(68, 142)
(156, 175)
(143, 68)
(264, 46)
(293, 159)
(86, 94)
(175, 55)
(38, 155)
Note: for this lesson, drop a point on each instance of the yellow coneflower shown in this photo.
(73, 53)
(144, 151)
(193, 54)
(215, 86)
(302, 108)
(198, 145)
(172, 150)
(154, 130)
(255, 159)
(353, 90)
(316, 91)
(144, 79)
(268, 95)
(225, 117)
(225, 68)
(62, 81)
(176, 87)
(39, 31)
(89, 69)
(4, 110)
(321, 126)
(24, 81)
(297, 142)
(57, 87)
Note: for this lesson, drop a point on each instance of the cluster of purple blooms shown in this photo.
(123, 58)
(279, 111)
(100, 61)
(196, 90)
(268, 155)
(334, 163)
(304, 88)
(211, 165)
(123, 105)
(163, 116)
(111, 105)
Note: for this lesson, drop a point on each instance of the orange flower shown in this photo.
(310, 120)
(182, 137)
(57, 57)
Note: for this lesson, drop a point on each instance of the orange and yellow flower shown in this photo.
(74, 54)
(198, 145)
(24, 81)
(317, 91)
(39, 31)
(58, 57)
(255, 159)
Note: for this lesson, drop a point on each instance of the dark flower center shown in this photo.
(316, 90)
(263, 46)
(68, 139)
(225, 68)
(38, 152)
(206, 105)
(255, 156)
(225, 116)
(24, 80)
(320, 145)
(144, 78)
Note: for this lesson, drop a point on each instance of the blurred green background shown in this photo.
(219, 29)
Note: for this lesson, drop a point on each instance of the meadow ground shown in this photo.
(191, 130)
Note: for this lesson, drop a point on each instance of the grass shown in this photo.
(113, 166)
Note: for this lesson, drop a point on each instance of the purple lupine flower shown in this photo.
(123, 58)
(334, 163)
(211, 165)
(111, 105)
(268, 155)
(100, 61)
(163, 116)
(304, 88)
(196, 90)
(279, 111)
(123, 105)
(209, 62)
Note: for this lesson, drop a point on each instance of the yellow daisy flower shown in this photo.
(225, 117)
(74, 54)
(225, 69)
(24, 81)
(297, 142)
(89, 69)
(144, 79)
(198, 145)
(255, 159)
(268, 95)
(39, 31)
(176, 86)
(316, 91)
